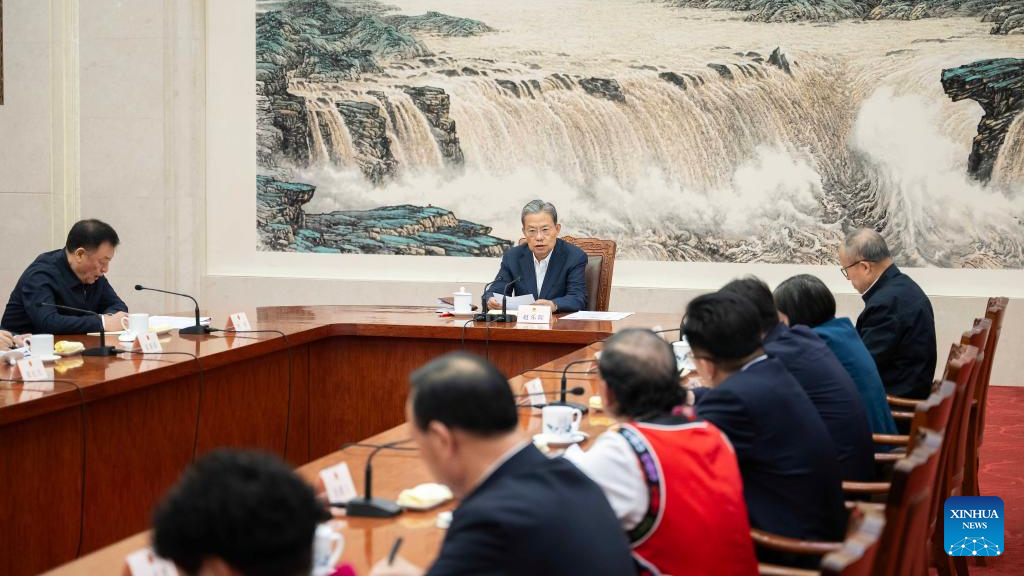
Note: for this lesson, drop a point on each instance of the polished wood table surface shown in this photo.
(368, 540)
(83, 463)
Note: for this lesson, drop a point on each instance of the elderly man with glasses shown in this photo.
(897, 324)
(551, 269)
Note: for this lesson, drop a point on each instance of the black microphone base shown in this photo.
(503, 318)
(101, 351)
(197, 330)
(372, 508)
(581, 407)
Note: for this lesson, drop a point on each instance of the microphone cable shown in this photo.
(288, 349)
(81, 416)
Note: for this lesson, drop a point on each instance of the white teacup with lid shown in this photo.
(462, 301)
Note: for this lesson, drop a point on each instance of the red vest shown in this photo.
(696, 522)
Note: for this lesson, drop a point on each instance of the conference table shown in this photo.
(84, 463)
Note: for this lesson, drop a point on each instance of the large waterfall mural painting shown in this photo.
(686, 130)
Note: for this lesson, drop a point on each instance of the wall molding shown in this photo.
(65, 142)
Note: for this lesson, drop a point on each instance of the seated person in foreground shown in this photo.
(805, 300)
(897, 324)
(238, 512)
(70, 276)
(9, 340)
(791, 479)
(661, 448)
(520, 512)
(551, 269)
(821, 375)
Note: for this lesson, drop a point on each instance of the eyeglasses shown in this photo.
(845, 268)
(534, 232)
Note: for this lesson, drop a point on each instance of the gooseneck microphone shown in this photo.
(367, 506)
(561, 402)
(576, 391)
(505, 316)
(482, 316)
(103, 349)
(198, 328)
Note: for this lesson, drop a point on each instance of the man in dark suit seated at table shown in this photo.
(238, 513)
(70, 276)
(551, 269)
(897, 324)
(822, 376)
(521, 512)
(791, 479)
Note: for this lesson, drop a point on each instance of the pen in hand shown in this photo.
(394, 550)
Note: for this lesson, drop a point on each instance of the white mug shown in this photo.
(561, 422)
(327, 548)
(40, 345)
(681, 349)
(462, 301)
(137, 324)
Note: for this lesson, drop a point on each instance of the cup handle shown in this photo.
(28, 340)
(577, 417)
(124, 323)
(339, 547)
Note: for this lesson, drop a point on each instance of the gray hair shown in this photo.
(536, 207)
(866, 244)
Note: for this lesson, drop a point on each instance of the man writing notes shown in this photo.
(70, 276)
(521, 513)
(550, 269)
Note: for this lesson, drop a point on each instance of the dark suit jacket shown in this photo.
(898, 328)
(833, 393)
(790, 474)
(50, 279)
(564, 283)
(533, 516)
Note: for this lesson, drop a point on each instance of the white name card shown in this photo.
(145, 562)
(530, 314)
(32, 369)
(338, 483)
(150, 343)
(239, 322)
(536, 392)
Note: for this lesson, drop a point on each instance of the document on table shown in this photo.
(587, 315)
(161, 324)
(514, 302)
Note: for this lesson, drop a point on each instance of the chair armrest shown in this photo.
(775, 570)
(852, 505)
(889, 457)
(902, 402)
(793, 545)
(894, 439)
(866, 487)
(897, 415)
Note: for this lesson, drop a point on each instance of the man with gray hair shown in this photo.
(897, 324)
(551, 269)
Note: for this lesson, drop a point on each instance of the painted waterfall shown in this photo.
(686, 130)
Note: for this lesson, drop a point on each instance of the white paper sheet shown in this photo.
(162, 323)
(514, 302)
(587, 315)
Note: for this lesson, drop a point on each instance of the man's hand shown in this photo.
(400, 567)
(548, 303)
(493, 304)
(112, 322)
(6, 340)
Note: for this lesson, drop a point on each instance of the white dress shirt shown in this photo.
(612, 464)
(540, 268)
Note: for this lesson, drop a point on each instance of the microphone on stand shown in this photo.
(198, 328)
(561, 402)
(103, 349)
(368, 506)
(505, 316)
(482, 316)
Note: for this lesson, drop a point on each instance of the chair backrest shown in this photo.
(902, 549)
(600, 265)
(860, 549)
(994, 313)
(975, 339)
(934, 412)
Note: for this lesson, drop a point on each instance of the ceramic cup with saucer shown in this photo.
(41, 347)
(327, 548)
(134, 326)
(561, 424)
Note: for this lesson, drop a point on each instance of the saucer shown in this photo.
(50, 358)
(559, 441)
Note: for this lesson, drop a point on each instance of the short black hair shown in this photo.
(90, 234)
(760, 295)
(640, 369)
(722, 324)
(247, 508)
(805, 300)
(463, 391)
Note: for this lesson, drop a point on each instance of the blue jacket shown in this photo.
(535, 515)
(833, 394)
(565, 281)
(50, 279)
(790, 474)
(897, 326)
(845, 343)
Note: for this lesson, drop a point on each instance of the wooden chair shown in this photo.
(860, 550)
(976, 428)
(600, 265)
(906, 511)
